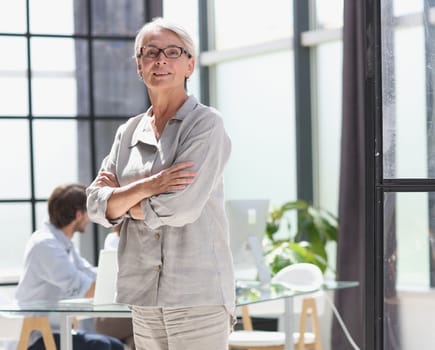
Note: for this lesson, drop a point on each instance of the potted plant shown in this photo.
(314, 229)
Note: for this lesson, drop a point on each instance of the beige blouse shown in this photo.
(179, 255)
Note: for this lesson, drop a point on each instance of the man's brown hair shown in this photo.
(64, 202)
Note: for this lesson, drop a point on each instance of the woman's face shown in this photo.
(162, 72)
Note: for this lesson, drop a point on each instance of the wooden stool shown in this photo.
(40, 324)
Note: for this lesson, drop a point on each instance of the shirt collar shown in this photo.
(60, 236)
(144, 132)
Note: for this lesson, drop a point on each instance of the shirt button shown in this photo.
(159, 268)
(157, 236)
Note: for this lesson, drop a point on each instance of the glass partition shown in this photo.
(409, 300)
(408, 59)
(408, 138)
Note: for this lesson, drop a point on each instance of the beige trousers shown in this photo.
(187, 328)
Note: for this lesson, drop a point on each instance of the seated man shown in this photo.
(54, 270)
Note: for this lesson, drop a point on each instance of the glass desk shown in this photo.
(247, 292)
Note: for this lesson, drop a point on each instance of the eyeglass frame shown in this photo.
(182, 51)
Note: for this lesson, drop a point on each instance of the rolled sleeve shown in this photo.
(97, 204)
(80, 286)
(97, 196)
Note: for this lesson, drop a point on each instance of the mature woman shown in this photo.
(163, 179)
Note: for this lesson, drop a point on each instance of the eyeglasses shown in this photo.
(171, 52)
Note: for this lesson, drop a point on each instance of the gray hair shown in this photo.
(161, 23)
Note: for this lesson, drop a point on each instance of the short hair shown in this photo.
(64, 202)
(161, 23)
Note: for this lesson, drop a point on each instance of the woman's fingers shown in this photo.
(180, 166)
(184, 174)
(107, 179)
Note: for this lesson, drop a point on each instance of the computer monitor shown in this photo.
(107, 275)
(105, 285)
(247, 219)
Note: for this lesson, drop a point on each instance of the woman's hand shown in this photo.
(174, 178)
(128, 197)
(136, 212)
(105, 178)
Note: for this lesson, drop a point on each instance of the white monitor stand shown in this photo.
(264, 274)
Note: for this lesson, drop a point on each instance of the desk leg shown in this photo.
(288, 323)
(65, 332)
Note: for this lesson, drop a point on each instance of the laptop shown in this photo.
(247, 220)
(105, 284)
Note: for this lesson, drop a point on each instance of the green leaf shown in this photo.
(315, 228)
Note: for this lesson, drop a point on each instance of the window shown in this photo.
(65, 88)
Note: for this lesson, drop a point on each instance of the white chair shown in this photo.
(302, 277)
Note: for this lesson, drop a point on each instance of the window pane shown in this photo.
(13, 83)
(85, 152)
(17, 227)
(262, 163)
(412, 230)
(117, 17)
(14, 96)
(408, 219)
(54, 96)
(410, 103)
(13, 16)
(60, 14)
(186, 14)
(53, 70)
(404, 106)
(56, 157)
(328, 128)
(248, 22)
(14, 57)
(82, 78)
(53, 55)
(117, 87)
(104, 136)
(403, 7)
(42, 212)
(329, 14)
(14, 143)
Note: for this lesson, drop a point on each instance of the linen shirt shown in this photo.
(53, 270)
(179, 255)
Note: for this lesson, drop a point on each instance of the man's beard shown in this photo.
(81, 226)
